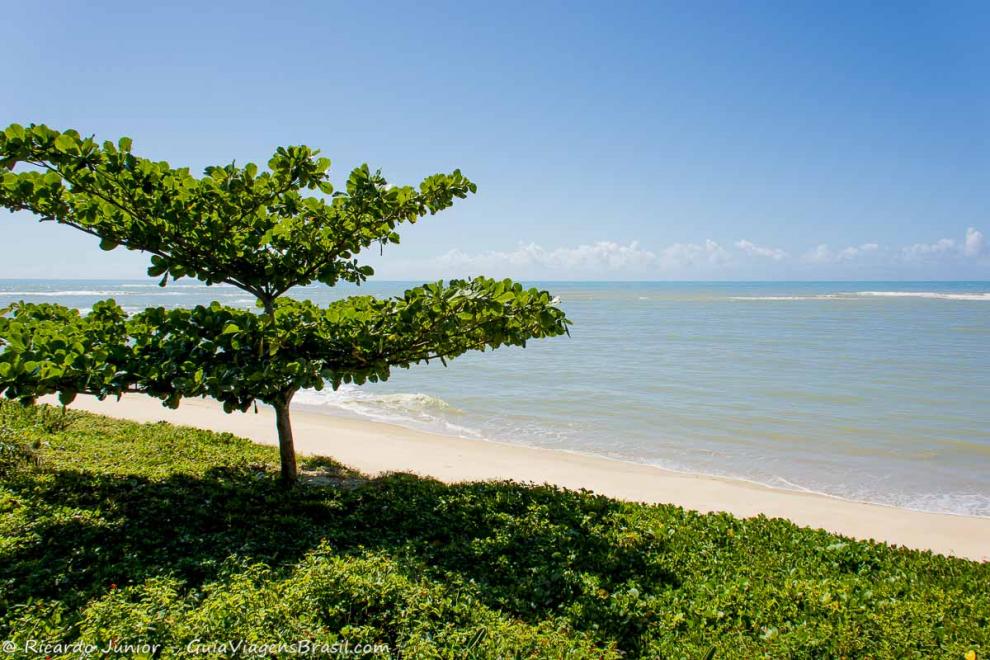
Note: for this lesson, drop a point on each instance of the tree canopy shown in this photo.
(255, 230)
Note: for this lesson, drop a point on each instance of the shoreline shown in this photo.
(797, 490)
(378, 447)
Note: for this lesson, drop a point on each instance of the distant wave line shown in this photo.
(859, 295)
(53, 294)
(84, 292)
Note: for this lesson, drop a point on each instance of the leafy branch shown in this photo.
(260, 233)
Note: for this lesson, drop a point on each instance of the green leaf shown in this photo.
(66, 143)
(14, 132)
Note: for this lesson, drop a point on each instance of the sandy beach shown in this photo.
(376, 448)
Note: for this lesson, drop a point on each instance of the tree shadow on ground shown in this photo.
(534, 552)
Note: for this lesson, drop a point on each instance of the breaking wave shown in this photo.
(924, 294)
(416, 410)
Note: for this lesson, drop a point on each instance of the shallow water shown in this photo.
(865, 390)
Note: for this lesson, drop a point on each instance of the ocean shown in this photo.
(871, 391)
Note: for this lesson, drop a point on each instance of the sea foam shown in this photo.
(412, 409)
(924, 294)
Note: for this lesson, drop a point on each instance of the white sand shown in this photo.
(375, 448)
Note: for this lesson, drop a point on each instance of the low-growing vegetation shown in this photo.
(117, 533)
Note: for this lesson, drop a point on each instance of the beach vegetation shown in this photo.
(152, 534)
(267, 232)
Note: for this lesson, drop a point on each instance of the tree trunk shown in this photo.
(286, 448)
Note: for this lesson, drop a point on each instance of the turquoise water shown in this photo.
(875, 391)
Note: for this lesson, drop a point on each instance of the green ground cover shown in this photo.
(113, 532)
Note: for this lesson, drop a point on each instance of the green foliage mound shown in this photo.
(164, 535)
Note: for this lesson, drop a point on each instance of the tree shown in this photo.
(255, 230)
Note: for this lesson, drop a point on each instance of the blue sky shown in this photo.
(689, 140)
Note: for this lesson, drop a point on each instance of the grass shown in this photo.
(117, 532)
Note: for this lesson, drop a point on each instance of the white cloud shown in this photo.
(819, 255)
(754, 250)
(928, 250)
(974, 245)
(606, 257)
(855, 252)
(588, 260)
(600, 256)
(971, 247)
(686, 255)
(823, 254)
(704, 259)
